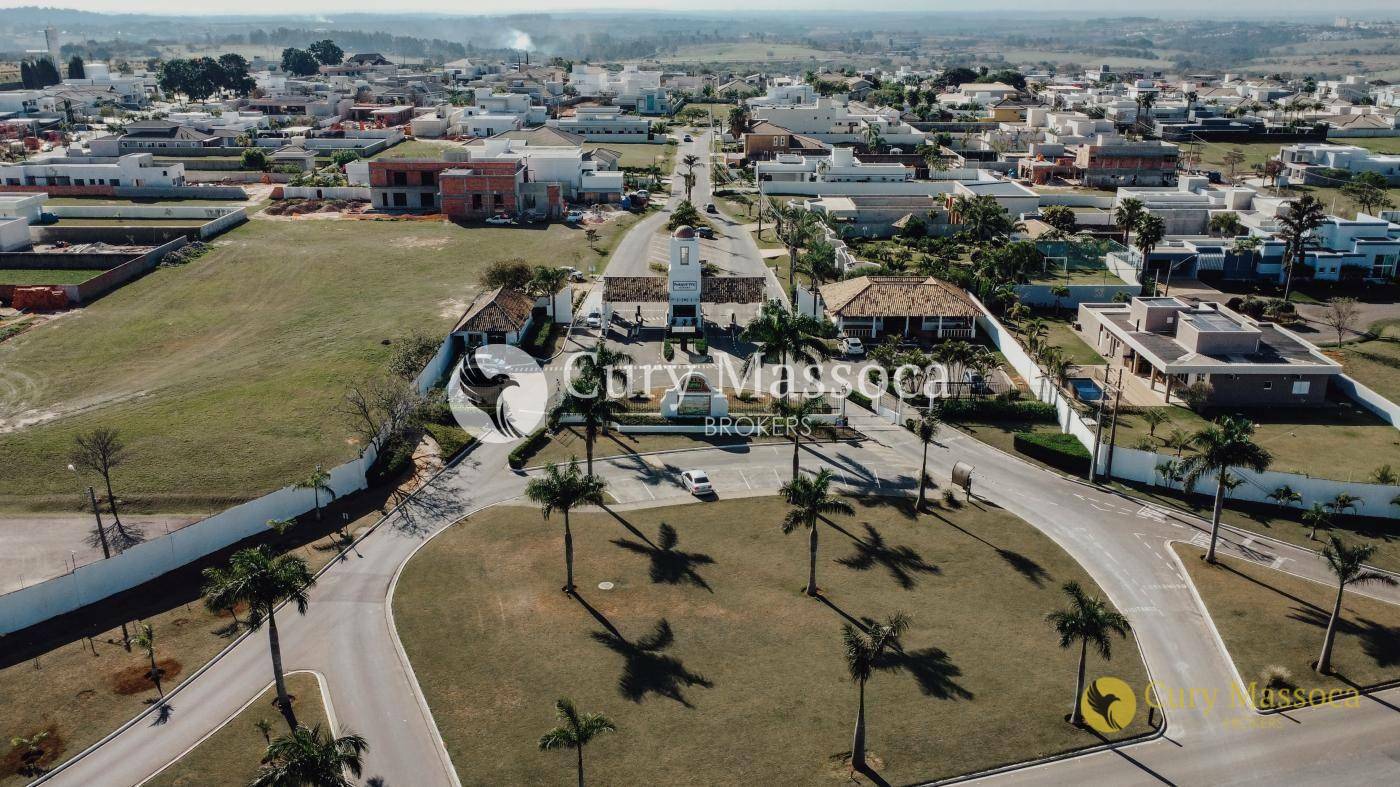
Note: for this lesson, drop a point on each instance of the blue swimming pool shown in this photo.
(1086, 389)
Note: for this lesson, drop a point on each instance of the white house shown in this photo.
(604, 123)
(835, 121)
(133, 169)
(578, 176)
(1306, 163)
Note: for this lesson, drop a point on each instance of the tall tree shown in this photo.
(1088, 621)
(545, 282)
(318, 482)
(311, 758)
(145, 639)
(1222, 446)
(326, 52)
(1348, 565)
(575, 730)
(101, 451)
(1151, 229)
(797, 414)
(1127, 213)
(76, 69)
(810, 501)
(1305, 215)
(563, 491)
(864, 651)
(299, 62)
(262, 580)
(738, 121)
(1317, 517)
(926, 429)
(783, 336)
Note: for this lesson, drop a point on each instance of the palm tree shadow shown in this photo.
(1380, 643)
(931, 668)
(669, 565)
(1021, 564)
(646, 670)
(902, 562)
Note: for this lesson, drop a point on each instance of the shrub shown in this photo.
(1057, 450)
(950, 498)
(450, 438)
(702, 346)
(1276, 677)
(185, 254)
(861, 399)
(667, 351)
(529, 447)
(999, 409)
(254, 159)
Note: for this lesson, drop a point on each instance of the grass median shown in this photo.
(715, 667)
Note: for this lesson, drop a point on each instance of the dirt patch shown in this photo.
(839, 767)
(31, 762)
(136, 679)
(420, 243)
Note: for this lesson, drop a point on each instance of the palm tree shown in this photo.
(1127, 214)
(818, 261)
(1151, 229)
(563, 491)
(1385, 475)
(603, 365)
(1180, 439)
(1285, 496)
(1342, 502)
(738, 121)
(797, 415)
(864, 650)
(1226, 444)
(1348, 565)
(1088, 620)
(926, 429)
(576, 730)
(1059, 291)
(810, 500)
(1305, 215)
(145, 639)
(263, 581)
(1316, 517)
(594, 407)
(794, 227)
(545, 282)
(690, 161)
(317, 482)
(311, 757)
(781, 336)
(1154, 417)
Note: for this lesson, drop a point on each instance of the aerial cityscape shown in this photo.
(643, 394)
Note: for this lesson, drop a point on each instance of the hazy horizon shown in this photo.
(330, 8)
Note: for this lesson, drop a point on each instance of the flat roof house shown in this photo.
(604, 123)
(873, 307)
(1175, 344)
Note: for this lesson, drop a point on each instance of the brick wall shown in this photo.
(481, 189)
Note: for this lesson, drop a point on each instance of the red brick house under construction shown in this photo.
(460, 189)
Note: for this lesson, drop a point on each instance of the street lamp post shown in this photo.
(97, 515)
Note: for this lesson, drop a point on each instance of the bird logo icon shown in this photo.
(1108, 705)
(498, 393)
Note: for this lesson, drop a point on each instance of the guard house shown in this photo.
(683, 313)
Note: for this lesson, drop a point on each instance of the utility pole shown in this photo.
(1098, 430)
(1113, 432)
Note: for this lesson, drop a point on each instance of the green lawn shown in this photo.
(231, 754)
(1270, 619)
(1062, 335)
(1390, 145)
(568, 443)
(640, 154)
(1002, 434)
(746, 683)
(745, 52)
(224, 376)
(1212, 157)
(1340, 441)
(1375, 363)
(23, 276)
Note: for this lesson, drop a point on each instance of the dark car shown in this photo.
(710, 208)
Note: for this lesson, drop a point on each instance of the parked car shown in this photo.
(697, 483)
(688, 138)
(574, 273)
(705, 232)
(710, 208)
(573, 216)
(852, 346)
(594, 319)
(500, 218)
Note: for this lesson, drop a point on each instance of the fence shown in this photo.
(360, 193)
(93, 582)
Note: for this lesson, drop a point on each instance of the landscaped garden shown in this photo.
(1273, 625)
(224, 376)
(691, 633)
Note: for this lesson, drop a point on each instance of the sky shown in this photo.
(1273, 8)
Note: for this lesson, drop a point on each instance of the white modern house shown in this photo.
(631, 87)
(604, 124)
(978, 94)
(1307, 163)
(579, 176)
(133, 169)
(834, 121)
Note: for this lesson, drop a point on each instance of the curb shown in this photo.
(598, 459)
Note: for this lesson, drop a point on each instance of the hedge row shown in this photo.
(860, 399)
(998, 410)
(529, 448)
(1057, 450)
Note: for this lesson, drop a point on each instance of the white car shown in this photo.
(500, 218)
(574, 273)
(852, 346)
(697, 483)
(574, 216)
(594, 319)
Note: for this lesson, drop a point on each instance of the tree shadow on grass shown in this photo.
(931, 667)
(646, 670)
(1380, 643)
(669, 565)
(902, 562)
(1021, 564)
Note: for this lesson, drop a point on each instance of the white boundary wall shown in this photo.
(97, 580)
(360, 193)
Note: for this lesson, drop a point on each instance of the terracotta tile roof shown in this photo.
(713, 289)
(896, 296)
(498, 310)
